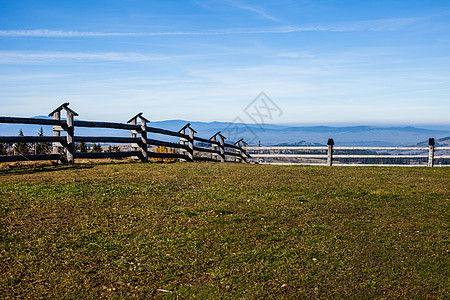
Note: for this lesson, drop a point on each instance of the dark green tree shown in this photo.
(21, 147)
(3, 149)
(82, 147)
(42, 147)
(96, 148)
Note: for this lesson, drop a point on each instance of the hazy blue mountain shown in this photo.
(269, 134)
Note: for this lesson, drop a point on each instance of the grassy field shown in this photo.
(210, 231)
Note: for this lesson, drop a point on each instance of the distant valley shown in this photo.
(269, 134)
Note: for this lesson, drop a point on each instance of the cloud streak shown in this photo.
(18, 57)
(369, 25)
(253, 9)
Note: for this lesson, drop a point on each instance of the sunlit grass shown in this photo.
(224, 231)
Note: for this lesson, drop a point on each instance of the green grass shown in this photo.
(233, 231)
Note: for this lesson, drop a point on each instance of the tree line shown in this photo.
(22, 148)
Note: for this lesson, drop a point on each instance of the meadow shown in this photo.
(223, 231)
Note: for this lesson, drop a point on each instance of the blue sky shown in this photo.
(321, 62)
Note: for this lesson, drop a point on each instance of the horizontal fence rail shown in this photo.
(63, 146)
(328, 154)
(95, 124)
(35, 121)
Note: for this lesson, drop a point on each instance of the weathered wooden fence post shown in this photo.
(239, 151)
(142, 145)
(182, 139)
(189, 141)
(133, 121)
(244, 151)
(222, 147)
(431, 152)
(70, 142)
(330, 144)
(56, 131)
(214, 146)
(69, 128)
(144, 148)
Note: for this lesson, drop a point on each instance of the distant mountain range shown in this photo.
(269, 134)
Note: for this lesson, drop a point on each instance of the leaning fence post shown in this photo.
(182, 139)
(190, 141)
(239, 151)
(133, 121)
(431, 152)
(222, 147)
(56, 132)
(70, 145)
(191, 144)
(70, 134)
(330, 144)
(142, 144)
(214, 145)
(244, 151)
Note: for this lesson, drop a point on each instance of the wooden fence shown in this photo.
(63, 147)
(328, 153)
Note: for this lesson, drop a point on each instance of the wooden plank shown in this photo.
(166, 144)
(37, 121)
(286, 148)
(70, 134)
(342, 148)
(345, 165)
(95, 124)
(190, 144)
(106, 139)
(199, 139)
(143, 147)
(222, 147)
(377, 156)
(330, 152)
(30, 157)
(381, 148)
(202, 149)
(166, 132)
(167, 155)
(134, 146)
(336, 156)
(228, 145)
(32, 139)
(233, 154)
(107, 154)
(290, 155)
(441, 148)
(57, 117)
(59, 128)
(378, 165)
(442, 157)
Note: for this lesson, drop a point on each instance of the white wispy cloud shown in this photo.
(254, 9)
(368, 25)
(17, 57)
(295, 54)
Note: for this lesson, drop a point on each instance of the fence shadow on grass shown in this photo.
(32, 169)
